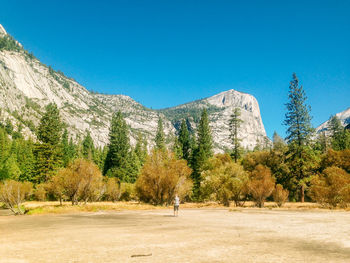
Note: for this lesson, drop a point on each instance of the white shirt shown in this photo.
(177, 201)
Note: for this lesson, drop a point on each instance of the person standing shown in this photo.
(176, 205)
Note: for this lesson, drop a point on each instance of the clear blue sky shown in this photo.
(163, 53)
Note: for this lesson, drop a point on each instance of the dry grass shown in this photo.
(35, 207)
(55, 208)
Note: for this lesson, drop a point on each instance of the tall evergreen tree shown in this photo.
(68, 149)
(160, 136)
(297, 118)
(278, 143)
(299, 131)
(202, 152)
(88, 147)
(337, 133)
(118, 161)
(141, 148)
(48, 151)
(184, 141)
(234, 125)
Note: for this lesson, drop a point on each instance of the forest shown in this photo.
(304, 166)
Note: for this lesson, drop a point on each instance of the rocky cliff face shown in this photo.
(27, 86)
(343, 116)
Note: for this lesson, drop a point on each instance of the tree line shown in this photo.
(301, 166)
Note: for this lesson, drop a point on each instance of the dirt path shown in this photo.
(197, 235)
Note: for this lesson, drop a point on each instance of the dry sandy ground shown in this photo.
(197, 235)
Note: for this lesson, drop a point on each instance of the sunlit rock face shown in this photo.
(27, 86)
(344, 118)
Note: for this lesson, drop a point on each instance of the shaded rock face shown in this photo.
(344, 118)
(27, 86)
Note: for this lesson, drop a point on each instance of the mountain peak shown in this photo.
(2, 30)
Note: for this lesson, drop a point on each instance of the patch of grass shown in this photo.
(39, 208)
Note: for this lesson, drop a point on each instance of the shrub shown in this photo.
(127, 191)
(112, 189)
(13, 194)
(331, 187)
(226, 181)
(81, 180)
(280, 195)
(261, 184)
(40, 192)
(162, 176)
(56, 186)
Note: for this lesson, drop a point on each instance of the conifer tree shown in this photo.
(117, 163)
(299, 130)
(160, 136)
(337, 134)
(88, 147)
(48, 151)
(235, 124)
(184, 141)
(68, 149)
(202, 152)
(141, 148)
(278, 143)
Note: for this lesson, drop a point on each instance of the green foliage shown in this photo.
(7, 42)
(120, 161)
(184, 141)
(192, 110)
(224, 181)
(297, 118)
(340, 137)
(301, 158)
(202, 152)
(160, 136)
(69, 151)
(235, 124)
(141, 148)
(48, 151)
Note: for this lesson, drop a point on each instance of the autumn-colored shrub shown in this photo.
(225, 181)
(280, 195)
(81, 180)
(40, 192)
(56, 186)
(162, 176)
(261, 184)
(14, 193)
(127, 191)
(339, 159)
(112, 189)
(331, 188)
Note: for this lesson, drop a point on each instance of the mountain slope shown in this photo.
(27, 86)
(343, 116)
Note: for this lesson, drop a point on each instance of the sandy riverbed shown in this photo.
(197, 235)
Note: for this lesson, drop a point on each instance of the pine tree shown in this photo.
(141, 148)
(117, 163)
(68, 149)
(184, 141)
(26, 159)
(48, 152)
(202, 152)
(235, 124)
(160, 136)
(88, 147)
(297, 118)
(299, 131)
(337, 133)
(278, 143)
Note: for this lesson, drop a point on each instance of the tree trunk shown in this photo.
(302, 193)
